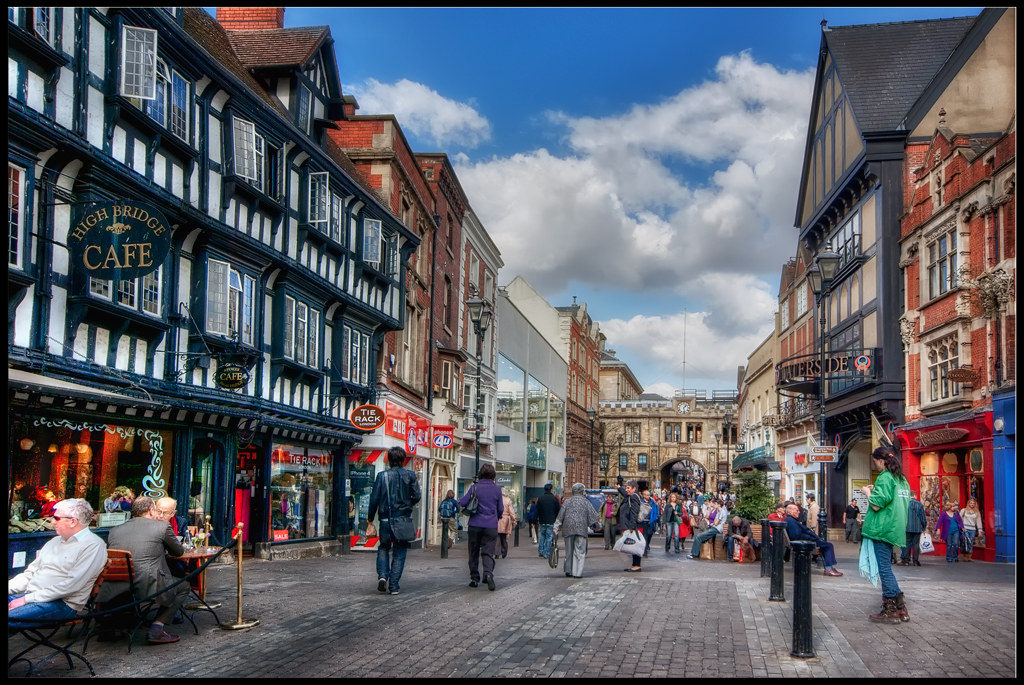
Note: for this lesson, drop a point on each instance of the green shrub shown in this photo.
(755, 498)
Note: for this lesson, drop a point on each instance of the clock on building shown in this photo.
(683, 408)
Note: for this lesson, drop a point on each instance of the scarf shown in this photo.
(868, 561)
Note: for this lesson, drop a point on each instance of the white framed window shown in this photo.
(942, 264)
(245, 149)
(301, 332)
(802, 302)
(138, 62)
(337, 215)
(784, 314)
(319, 200)
(357, 346)
(140, 294)
(846, 241)
(15, 215)
(157, 107)
(450, 381)
(230, 302)
(179, 106)
(372, 241)
(943, 357)
(43, 24)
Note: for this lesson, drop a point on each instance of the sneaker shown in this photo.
(161, 638)
(394, 591)
(489, 579)
(474, 583)
(382, 585)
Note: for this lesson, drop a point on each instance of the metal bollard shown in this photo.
(444, 539)
(777, 592)
(515, 540)
(766, 548)
(803, 642)
(240, 622)
(823, 524)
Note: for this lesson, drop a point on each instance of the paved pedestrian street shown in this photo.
(679, 617)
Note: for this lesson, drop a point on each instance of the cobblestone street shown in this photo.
(679, 617)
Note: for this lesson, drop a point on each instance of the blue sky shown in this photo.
(644, 160)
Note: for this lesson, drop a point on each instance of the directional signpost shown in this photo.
(827, 454)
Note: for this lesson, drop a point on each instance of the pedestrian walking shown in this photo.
(531, 519)
(850, 520)
(629, 515)
(812, 514)
(973, 526)
(483, 525)
(685, 526)
(670, 518)
(547, 509)
(393, 496)
(575, 519)
(916, 523)
(608, 520)
(949, 529)
(885, 527)
(507, 523)
(449, 513)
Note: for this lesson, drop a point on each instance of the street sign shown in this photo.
(825, 454)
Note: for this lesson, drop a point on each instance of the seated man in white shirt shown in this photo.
(56, 585)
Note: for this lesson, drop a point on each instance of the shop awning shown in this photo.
(25, 386)
(369, 456)
(759, 456)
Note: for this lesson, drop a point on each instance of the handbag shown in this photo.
(927, 546)
(631, 542)
(553, 555)
(473, 505)
(402, 527)
(965, 544)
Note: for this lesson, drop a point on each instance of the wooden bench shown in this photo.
(42, 635)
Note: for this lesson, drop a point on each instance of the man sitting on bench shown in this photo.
(56, 585)
(798, 531)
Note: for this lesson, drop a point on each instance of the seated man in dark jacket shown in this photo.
(739, 532)
(798, 531)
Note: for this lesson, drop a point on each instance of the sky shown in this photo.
(643, 161)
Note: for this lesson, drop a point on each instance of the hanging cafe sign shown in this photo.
(119, 240)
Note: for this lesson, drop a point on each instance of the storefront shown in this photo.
(403, 428)
(510, 479)
(949, 458)
(802, 476)
(442, 476)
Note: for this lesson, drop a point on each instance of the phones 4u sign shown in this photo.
(119, 240)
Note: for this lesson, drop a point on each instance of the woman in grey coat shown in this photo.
(575, 519)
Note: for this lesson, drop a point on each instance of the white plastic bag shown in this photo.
(927, 546)
(631, 542)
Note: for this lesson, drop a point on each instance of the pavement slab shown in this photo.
(678, 617)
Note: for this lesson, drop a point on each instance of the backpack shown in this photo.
(449, 508)
(645, 512)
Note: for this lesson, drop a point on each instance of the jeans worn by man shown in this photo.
(547, 536)
(390, 568)
(394, 493)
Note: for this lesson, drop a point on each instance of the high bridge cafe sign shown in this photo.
(119, 240)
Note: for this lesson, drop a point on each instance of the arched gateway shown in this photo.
(684, 473)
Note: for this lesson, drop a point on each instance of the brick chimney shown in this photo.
(250, 18)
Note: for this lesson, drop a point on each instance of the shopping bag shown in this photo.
(631, 542)
(927, 546)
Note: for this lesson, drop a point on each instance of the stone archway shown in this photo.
(684, 472)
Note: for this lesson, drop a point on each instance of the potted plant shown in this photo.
(755, 499)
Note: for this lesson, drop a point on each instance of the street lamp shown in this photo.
(592, 415)
(718, 457)
(480, 314)
(820, 276)
(727, 429)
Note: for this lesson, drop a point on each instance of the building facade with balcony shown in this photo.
(959, 268)
(216, 350)
(849, 204)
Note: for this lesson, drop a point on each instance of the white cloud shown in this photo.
(685, 195)
(425, 113)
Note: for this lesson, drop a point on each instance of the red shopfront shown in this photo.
(952, 460)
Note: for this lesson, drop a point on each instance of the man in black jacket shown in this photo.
(547, 511)
(394, 493)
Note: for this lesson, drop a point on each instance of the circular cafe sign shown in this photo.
(232, 376)
(367, 417)
(119, 240)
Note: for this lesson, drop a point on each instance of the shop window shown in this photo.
(511, 394)
(56, 459)
(301, 487)
(556, 428)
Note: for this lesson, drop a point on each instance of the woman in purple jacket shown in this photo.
(483, 526)
(949, 528)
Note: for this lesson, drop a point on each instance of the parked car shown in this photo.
(596, 498)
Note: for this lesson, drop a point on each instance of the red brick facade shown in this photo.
(250, 18)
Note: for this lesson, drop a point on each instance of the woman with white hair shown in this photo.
(575, 519)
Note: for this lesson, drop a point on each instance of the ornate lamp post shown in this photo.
(727, 430)
(820, 276)
(592, 415)
(480, 314)
(718, 452)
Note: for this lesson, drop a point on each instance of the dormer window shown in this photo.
(305, 113)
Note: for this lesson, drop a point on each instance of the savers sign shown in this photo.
(119, 240)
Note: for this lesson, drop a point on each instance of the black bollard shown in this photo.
(803, 642)
(766, 548)
(444, 539)
(822, 524)
(515, 542)
(777, 592)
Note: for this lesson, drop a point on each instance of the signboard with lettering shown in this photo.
(404, 424)
(826, 454)
(232, 376)
(367, 417)
(119, 240)
(443, 436)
